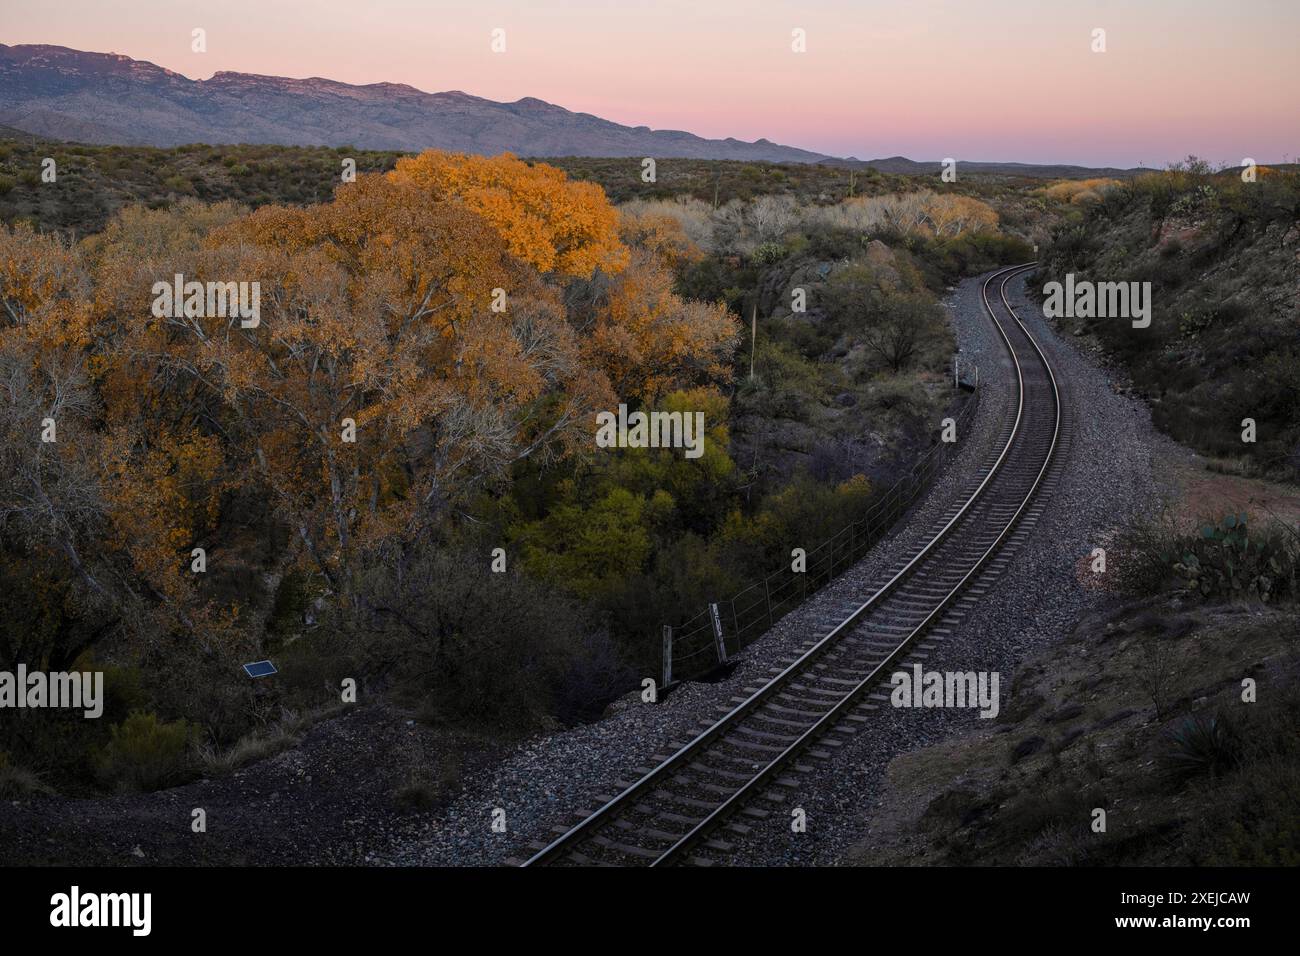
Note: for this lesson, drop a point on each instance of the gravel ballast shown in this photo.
(1108, 474)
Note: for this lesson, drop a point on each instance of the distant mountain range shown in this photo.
(911, 167)
(64, 94)
(67, 94)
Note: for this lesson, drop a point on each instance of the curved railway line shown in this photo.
(746, 762)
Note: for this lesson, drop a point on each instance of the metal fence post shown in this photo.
(735, 622)
(717, 633)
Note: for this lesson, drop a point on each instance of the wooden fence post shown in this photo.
(668, 655)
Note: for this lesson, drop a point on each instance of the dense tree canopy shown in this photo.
(417, 336)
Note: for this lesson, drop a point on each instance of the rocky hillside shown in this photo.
(1222, 257)
(1141, 711)
(1191, 776)
(68, 94)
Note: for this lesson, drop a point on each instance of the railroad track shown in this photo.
(746, 762)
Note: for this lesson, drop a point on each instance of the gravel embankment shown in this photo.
(1108, 475)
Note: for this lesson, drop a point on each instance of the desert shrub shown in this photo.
(479, 648)
(178, 184)
(1251, 818)
(146, 753)
(784, 384)
(834, 242)
(903, 332)
(1069, 807)
(1199, 745)
(898, 393)
(1079, 191)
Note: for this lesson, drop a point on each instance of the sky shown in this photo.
(1005, 80)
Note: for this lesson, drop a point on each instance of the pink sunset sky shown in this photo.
(1012, 80)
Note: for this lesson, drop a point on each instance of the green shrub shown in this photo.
(785, 384)
(177, 184)
(146, 753)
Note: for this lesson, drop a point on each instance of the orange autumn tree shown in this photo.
(50, 493)
(548, 221)
(379, 383)
(163, 456)
(631, 326)
(418, 335)
(649, 340)
(661, 235)
(63, 493)
(951, 215)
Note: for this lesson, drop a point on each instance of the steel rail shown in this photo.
(850, 700)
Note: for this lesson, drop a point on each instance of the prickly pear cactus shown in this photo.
(1226, 562)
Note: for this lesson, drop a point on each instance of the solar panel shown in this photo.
(259, 669)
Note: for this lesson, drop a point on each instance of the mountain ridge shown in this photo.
(60, 93)
(110, 98)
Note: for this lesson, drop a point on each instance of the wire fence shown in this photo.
(724, 628)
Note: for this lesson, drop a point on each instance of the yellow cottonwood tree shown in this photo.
(951, 215)
(547, 220)
(378, 383)
(416, 336)
(648, 339)
(49, 487)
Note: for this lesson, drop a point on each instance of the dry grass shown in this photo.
(18, 782)
(283, 734)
